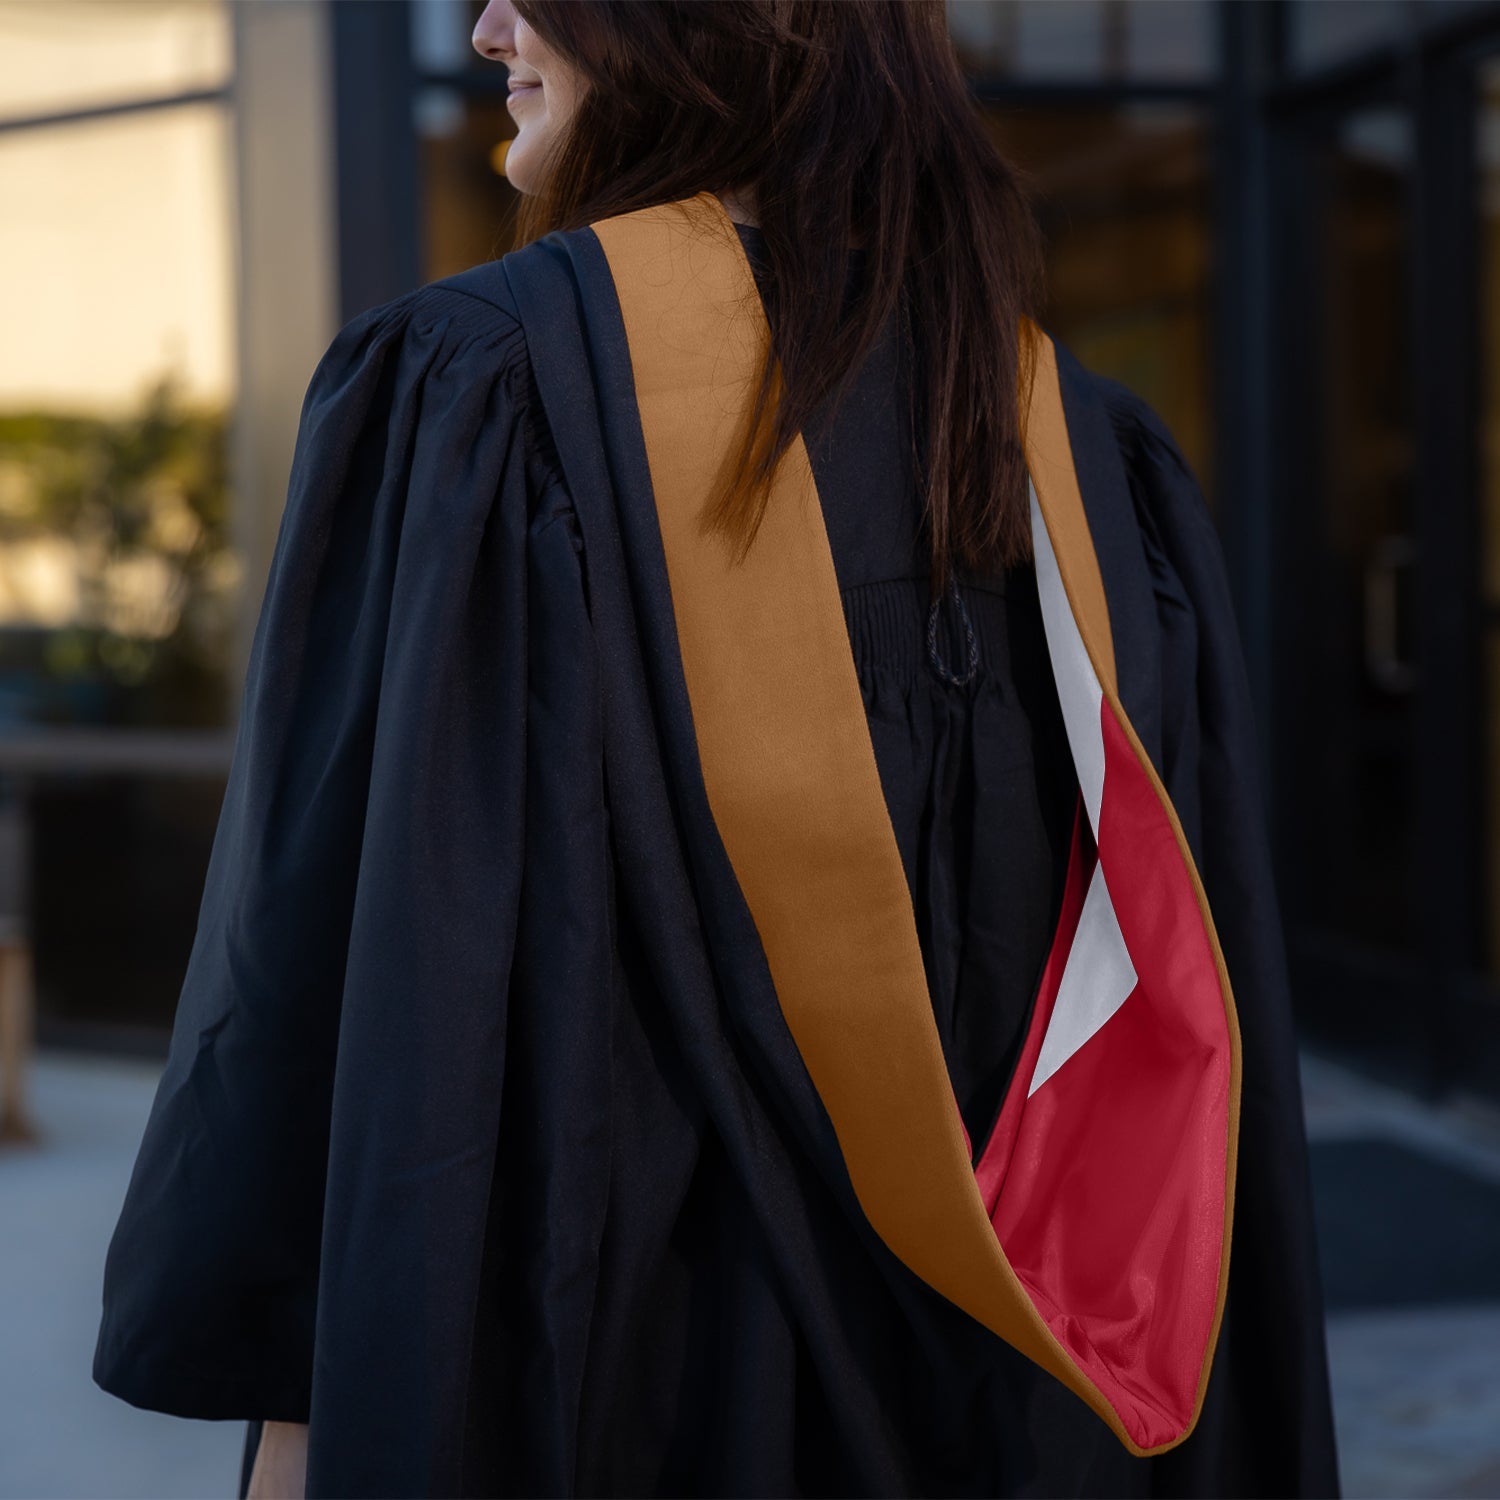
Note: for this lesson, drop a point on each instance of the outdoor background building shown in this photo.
(1277, 220)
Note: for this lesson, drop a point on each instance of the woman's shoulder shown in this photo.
(1164, 484)
(477, 304)
(462, 316)
(441, 361)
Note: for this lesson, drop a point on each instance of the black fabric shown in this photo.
(253, 1430)
(482, 1143)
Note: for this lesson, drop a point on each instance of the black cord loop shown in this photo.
(933, 656)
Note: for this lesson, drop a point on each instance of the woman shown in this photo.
(658, 1023)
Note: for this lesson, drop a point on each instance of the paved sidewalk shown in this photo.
(1417, 1388)
(1417, 1394)
(60, 1435)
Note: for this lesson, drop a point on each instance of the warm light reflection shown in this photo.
(469, 206)
(40, 581)
(58, 55)
(118, 577)
(115, 259)
(1125, 206)
(114, 537)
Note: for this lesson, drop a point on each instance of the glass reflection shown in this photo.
(440, 35)
(1124, 202)
(1360, 693)
(1321, 33)
(1085, 40)
(118, 582)
(469, 205)
(78, 54)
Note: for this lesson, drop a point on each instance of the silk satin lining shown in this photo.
(792, 783)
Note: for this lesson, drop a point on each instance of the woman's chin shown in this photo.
(520, 170)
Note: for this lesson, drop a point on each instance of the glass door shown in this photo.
(1478, 989)
(1350, 688)
(1388, 519)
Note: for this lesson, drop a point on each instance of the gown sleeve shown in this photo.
(1267, 1423)
(334, 1068)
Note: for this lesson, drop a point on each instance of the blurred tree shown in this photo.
(118, 580)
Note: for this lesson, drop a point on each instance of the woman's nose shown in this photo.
(495, 31)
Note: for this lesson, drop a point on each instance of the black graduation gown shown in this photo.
(482, 1143)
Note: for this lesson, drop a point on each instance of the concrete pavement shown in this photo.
(1417, 1388)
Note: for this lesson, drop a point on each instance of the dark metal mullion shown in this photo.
(220, 95)
(379, 174)
(1473, 704)
(988, 88)
(486, 82)
(1340, 86)
(1444, 384)
(1243, 337)
(1103, 94)
(1296, 362)
(1381, 66)
(493, 82)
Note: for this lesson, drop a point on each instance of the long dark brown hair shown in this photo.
(842, 123)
